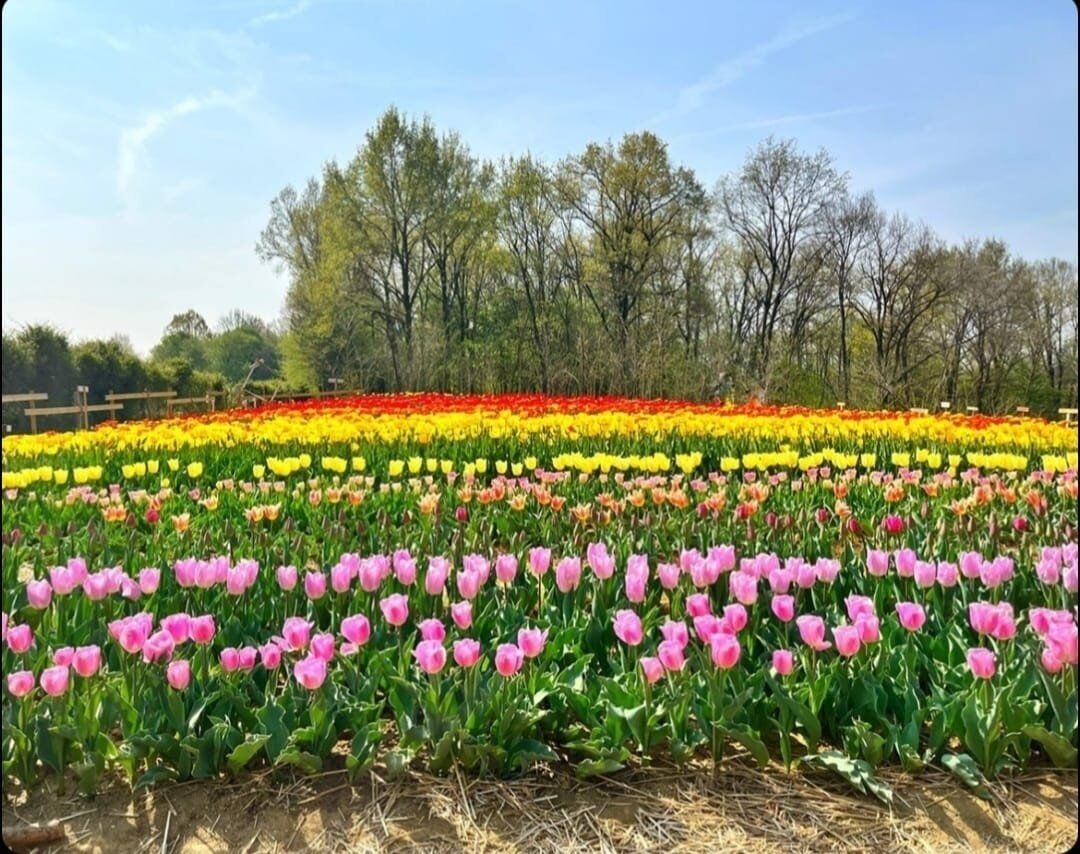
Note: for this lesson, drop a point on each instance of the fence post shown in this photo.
(33, 416)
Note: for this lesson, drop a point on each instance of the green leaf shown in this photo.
(806, 718)
(1060, 751)
(155, 775)
(308, 763)
(749, 739)
(272, 718)
(593, 767)
(855, 771)
(965, 768)
(243, 753)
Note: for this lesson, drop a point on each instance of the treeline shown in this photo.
(416, 265)
(191, 359)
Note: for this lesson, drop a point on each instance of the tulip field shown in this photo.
(484, 583)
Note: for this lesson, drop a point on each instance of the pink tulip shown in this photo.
(869, 628)
(508, 659)
(430, 655)
(600, 561)
(539, 560)
(982, 662)
(676, 632)
(20, 683)
(652, 669)
(847, 640)
(404, 567)
(531, 641)
(184, 570)
(55, 680)
(780, 580)
(395, 609)
(568, 574)
(744, 587)
(340, 578)
(133, 636)
(149, 580)
(63, 580)
(783, 608)
(1039, 618)
(671, 655)
(735, 617)
(812, 632)
(248, 655)
(96, 586)
(877, 562)
(468, 583)
(997, 571)
(805, 574)
(724, 556)
(628, 627)
(506, 567)
(1061, 639)
(297, 632)
(637, 577)
(905, 562)
(858, 605)
(467, 650)
(432, 630)
(202, 629)
(697, 604)
(725, 651)
(948, 574)
(315, 585)
(1050, 662)
(1069, 578)
(230, 659)
(178, 674)
(130, 590)
(64, 655)
(322, 646)
(356, 629)
(983, 617)
(437, 573)
(478, 565)
(783, 661)
(371, 573)
(179, 626)
(270, 655)
(893, 525)
(708, 625)
(310, 672)
(461, 614)
(86, 660)
(971, 564)
(286, 577)
(911, 614)
(668, 573)
(925, 574)
(39, 594)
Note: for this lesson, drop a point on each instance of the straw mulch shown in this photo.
(655, 809)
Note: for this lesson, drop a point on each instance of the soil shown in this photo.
(653, 809)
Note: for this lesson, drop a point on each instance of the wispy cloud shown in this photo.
(282, 14)
(777, 121)
(694, 95)
(134, 139)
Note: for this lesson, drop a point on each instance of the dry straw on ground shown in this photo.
(655, 809)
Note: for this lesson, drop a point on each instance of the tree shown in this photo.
(776, 208)
(902, 282)
(633, 205)
(847, 230)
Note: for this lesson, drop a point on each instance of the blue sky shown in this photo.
(142, 142)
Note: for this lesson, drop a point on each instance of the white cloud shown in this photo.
(694, 95)
(775, 121)
(282, 14)
(134, 139)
